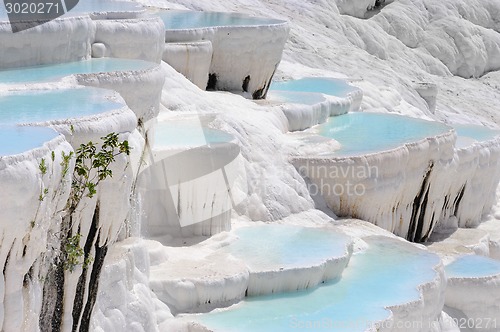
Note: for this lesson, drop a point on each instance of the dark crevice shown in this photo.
(59, 288)
(431, 227)
(262, 92)
(266, 89)
(270, 81)
(445, 204)
(371, 11)
(51, 317)
(100, 255)
(245, 84)
(53, 287)
(421, 217)
(258, 94)
(7, 258)
(458, 200)
(419, 208)
(80, 288)
(212, 81)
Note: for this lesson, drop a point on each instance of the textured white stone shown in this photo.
(478, 298)
(422, 314)
(239, 53)
(125, 300)
(428, 91)
(199, 278)
(28, 226)
(62, 40)
(191, 59)
(264, 281)
(98, 50)
(461, 184)
(392, 179)
(140, 89)
(139, 38)
(303, 116)
(177, 204)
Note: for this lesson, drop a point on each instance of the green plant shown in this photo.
(66, 159)
(42, 166)
(73, 252)
(42, 195)
(92, 165)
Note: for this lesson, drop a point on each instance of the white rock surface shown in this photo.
(62, 40)
(98, 50)
(456, 184)
(301, 116)
(186, 191)
(491, 226)
(478, 299)
(461, 241)
(191, 59)
(139, 38)
(424, 313)
(265, 279)
(125, 299)
(140, 89)
(244, 57)
(197, 279)
(443, 38)
(401, 174)
(28, 228)
(479, 168)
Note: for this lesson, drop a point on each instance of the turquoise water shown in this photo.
(45, 105)
(479, 133)
(195, 19)
(187, 133)
(361, 133)
(306, 98)
(387, 273)
(328, 86)
(287, 246)
(54, 72)
(473, 266)
(15, 140)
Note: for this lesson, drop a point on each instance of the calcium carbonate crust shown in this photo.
(423, 313)
(238, 64)
(28, 225)
(386, 201)
(290, 279)
(478, 298)
(141, 89)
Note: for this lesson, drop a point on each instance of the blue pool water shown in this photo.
(174, 19)
(328, 86)
(387, 273)
(287, 246)
(306, 98)
(188, 132)
(44, 105)
(361, 133)
(479, 133)
(473, 266)
(54, 72)
(15, 140)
